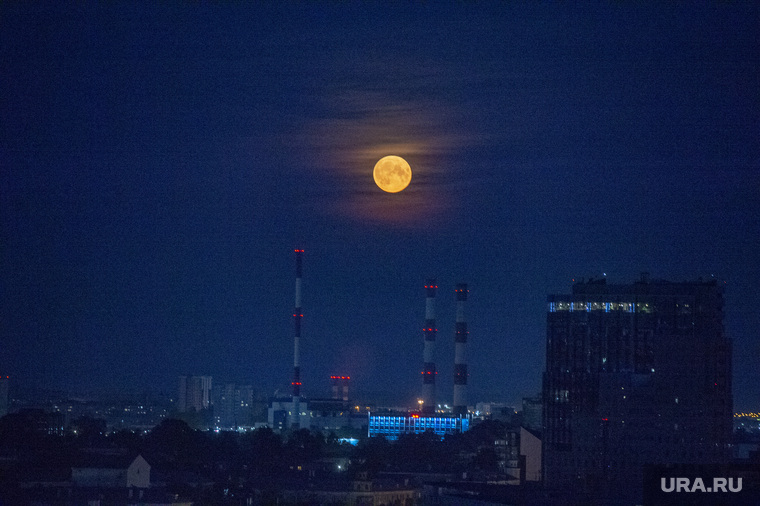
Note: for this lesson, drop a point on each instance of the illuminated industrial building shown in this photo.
(391, 426)
(635, 374)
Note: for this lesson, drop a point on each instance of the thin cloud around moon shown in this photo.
(362, 128)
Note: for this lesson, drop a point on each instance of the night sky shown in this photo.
(159, 165)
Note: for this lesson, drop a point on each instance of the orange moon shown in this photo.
(392, 174)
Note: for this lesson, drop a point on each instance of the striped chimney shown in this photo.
(428, 366)
(297, 316)
(460, 353)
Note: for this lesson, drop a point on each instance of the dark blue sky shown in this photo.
(160, 164)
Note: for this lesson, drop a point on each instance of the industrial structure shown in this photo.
(393, 424)
(339, 387)
(292, 412)
(460, 353)
(297, 316)
(635, 374)
(428, 362)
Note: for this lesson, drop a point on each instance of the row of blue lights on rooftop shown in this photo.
(628, 307)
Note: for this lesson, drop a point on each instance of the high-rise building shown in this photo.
(194, 393)
(635, 374)
(4, 395)
(224, 405)
(233, 405)
(532, 411)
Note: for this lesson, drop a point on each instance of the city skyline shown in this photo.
(161, 163)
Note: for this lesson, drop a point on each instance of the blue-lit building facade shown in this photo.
(392, 425)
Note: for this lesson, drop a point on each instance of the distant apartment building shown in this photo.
(519, 455)
(194, 393)
(4, 395)
(635, 374)
(494, 409)
(532, 410)
(234, 405)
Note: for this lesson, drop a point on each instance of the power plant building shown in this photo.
(391, 426)
(636, 374)
(288, 413)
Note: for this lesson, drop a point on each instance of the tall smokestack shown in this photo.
(297, 315)
(460, 353)
(428, 366)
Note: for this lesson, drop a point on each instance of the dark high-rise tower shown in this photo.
(460, 353)
(428, 359)
(635, 374)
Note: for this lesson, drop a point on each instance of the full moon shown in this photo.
(392, 174)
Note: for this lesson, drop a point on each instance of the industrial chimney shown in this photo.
(297, 315)
(460, 353)
(428, 366)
